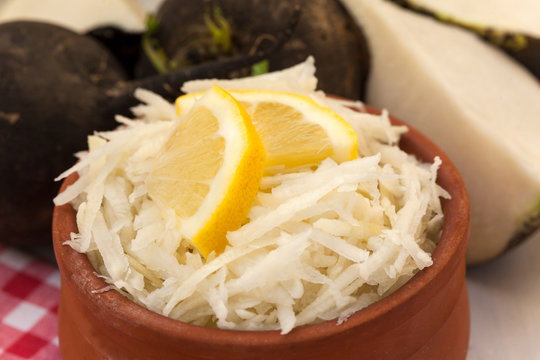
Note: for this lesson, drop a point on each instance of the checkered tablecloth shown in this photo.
(29, 294)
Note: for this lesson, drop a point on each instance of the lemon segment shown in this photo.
(209, 170)
(294, 129)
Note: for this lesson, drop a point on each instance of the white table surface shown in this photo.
(505, 305)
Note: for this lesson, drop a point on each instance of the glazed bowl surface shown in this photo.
(427, 318)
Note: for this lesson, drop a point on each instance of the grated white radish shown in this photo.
(319, 244)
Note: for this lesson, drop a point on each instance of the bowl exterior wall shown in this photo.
(438, 330)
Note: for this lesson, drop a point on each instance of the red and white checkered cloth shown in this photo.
(29, 294)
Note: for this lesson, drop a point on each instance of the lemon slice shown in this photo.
(209, 170)
(294, 129)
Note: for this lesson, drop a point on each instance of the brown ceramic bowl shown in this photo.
(427, 318)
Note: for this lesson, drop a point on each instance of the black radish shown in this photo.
(325, 31)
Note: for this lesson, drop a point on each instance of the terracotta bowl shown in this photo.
(427, 318)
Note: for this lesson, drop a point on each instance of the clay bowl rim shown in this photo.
(449, 251)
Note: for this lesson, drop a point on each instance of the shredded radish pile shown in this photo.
(319, 244)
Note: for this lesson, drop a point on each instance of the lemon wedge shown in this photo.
(294, 129)
(209, 170)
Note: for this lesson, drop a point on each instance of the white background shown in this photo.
(505, 305)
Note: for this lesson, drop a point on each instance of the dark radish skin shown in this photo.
(57, 87)
(125, 46)
(166, 84)
(51, 82)
(325, 31)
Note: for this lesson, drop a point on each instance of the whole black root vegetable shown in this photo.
(51, 83)
(56, 87)
(325, 30)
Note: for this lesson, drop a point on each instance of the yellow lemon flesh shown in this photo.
(294, 129)
(209, 170)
